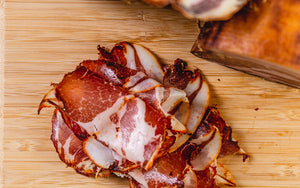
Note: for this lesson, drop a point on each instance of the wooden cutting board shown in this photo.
(46, 38)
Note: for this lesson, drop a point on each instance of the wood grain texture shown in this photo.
(2, 48)
(45, 39)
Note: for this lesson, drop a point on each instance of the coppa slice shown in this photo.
(69, 148)
(147, 83)
(197, 91)
(161, 97)
(122, 122)
(136, 57)
(198, 157)
(126, 114)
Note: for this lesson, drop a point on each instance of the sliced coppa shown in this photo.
(126, 114)
(120, 121)
(135, 57)
(177, 81)
(198, 156)
(197, 92)
(186, 166)
(70, 150)
(161, 97)
(229, 145)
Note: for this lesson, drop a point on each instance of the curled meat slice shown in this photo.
(223, 177)
(135, 57)
(70, 150)
(198, 156)
(197, 92)
(161, 97)
(122, 122)
(229, 145)
(208, 153)
(177, 76)
(188, 166)
(126, 114)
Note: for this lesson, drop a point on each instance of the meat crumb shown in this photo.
(256, 109)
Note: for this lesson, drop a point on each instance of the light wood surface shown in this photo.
(45, 39)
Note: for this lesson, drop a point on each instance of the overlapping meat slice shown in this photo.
(146, 80)
(180, 168)
(137, 83)
(197, 91)
(136, 57)
(70, 149)
(194, 164)
(229, 145)
(130, 116)
(132, 129)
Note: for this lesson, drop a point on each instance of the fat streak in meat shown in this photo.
(131, 116)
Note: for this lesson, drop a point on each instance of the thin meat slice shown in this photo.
(161, 97)
(208, 153)
(206, 178)
(195, 87)
(70, 150)
(167, 171)
(135, 57)
(229, 145)
(197, 92)
(120, 121)
(191, 165)
(223, 177)
(125, 114)
(147, 83)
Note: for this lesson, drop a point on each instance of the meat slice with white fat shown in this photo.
(126, 114)
(152, 92)
(188, 166)
(70, 149)
(135, 57)
(197, 92)
(178, 82)
(122, 122)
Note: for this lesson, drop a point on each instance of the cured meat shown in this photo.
(229, 145)
(197, 92)
(195, 160)
(122, 122)
(127, 114)
(138, 58)
(205, 10)
(139, 84)
(70, 150)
